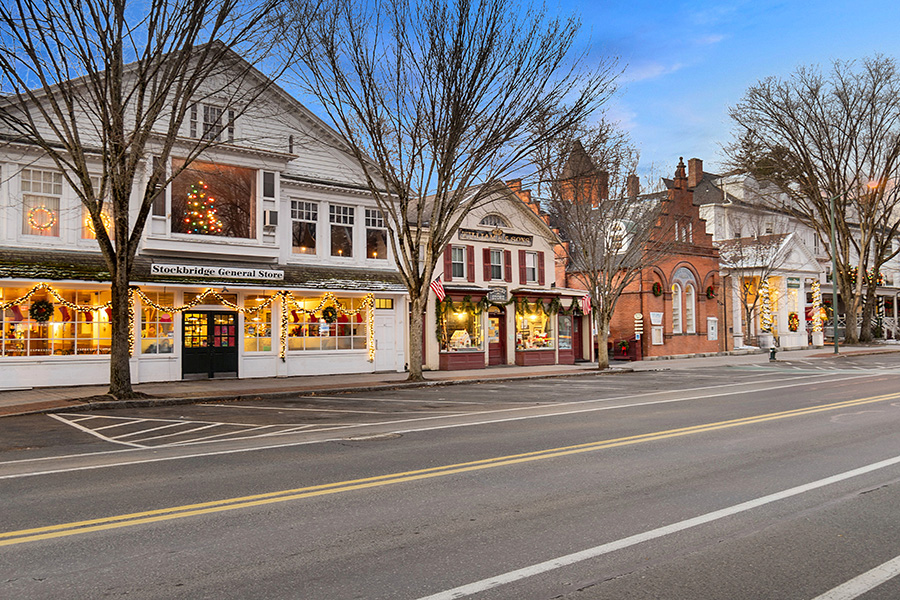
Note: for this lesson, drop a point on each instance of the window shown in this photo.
(88, 231)
(376, 234)
(690, 302)
(159, 199)
(257, 324)
(304, 217)
(67, 332)
(684, 230)
(384, 303)
(534, 330)
(531, 270)
(215, 200)
(214, 123)
(268, 184)
(496, 264)
(461, 331)
(494, 221)
(676, 308)
(310, 332)
(565, 332)
(157, 327)
(341, 218)
(41, 193)
(769, 228)
(458, 262)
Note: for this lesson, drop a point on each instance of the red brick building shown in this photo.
(677, 300)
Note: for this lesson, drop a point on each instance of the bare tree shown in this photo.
(99, 87)
(821, 137)
(438, 101)
(754, 257)
(608, 243)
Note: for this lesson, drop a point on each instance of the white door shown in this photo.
(385, 341)
(712, 328)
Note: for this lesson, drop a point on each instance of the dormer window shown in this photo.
(494, 221)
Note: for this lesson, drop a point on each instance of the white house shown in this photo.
(266, 257)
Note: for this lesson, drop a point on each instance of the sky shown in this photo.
(686, 63)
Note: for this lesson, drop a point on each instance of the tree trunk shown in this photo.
(866, 334)
(851, 332)
(602, 338)
(416, 322)
(120, 349)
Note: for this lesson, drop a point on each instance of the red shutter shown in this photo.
(470, 260)
(540, 265)
(448, 263)
(507, 266)
(523, 274)
(486, 257)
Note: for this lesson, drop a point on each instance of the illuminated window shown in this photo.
(216, 200)
(304, 220)
(534, 331)
(461, 331)
(157, 327)
(311, 332)
(87, 224)
(376, 234)
(341, 219)
(41, 192)
(257, 324)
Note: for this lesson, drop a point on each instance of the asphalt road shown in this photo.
(764, 481)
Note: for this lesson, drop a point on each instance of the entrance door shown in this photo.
(385, 346)
(577, 342)
(210, 345)
(496, 336)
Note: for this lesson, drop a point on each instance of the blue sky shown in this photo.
(687, 62)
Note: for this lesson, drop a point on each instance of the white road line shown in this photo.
(577, 557)
(347, 426)
(218, 435)
(92, 432)
(298, 409)
(121, 424)
(357, 398)
(142, 431)
(860, 585)
(157, 437)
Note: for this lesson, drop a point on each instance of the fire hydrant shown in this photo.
(772, 354)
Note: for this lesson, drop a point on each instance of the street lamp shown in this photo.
(834, 283)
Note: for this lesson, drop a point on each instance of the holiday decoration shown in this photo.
(104, 218)
(818, 312)
(41, 311)
(710, 292)
(201, 211)
(329, 314)
(623, 347)
(41, 218)
(765, 311)
(793, 321)
(657, 289)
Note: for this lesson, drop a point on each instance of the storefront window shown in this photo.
(565, 332)
(534, 331)
(257, 325)
(67, 331)
(315, 332)
(157, 327)
(461, 331)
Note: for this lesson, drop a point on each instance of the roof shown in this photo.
(54, 265)
(751, 252)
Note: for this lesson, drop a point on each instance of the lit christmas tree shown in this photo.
(818, 315)
(201, 211)
(765, 316)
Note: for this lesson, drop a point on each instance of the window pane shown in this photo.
(341, 240)
(257, 324)
(210, 199)
(458, 258)
(534, 331)
(376, 243)
(304, 238)
(157, 327)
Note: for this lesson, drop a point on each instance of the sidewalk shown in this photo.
(53, 399)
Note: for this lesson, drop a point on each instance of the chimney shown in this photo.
(695, 172)
(603, 185)
(632, 186)
(680, 179)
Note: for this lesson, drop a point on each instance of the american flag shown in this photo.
(586, 304)
(438, 288)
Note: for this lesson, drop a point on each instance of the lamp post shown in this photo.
(834, 284)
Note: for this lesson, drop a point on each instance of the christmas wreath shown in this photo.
(710, 293)
(793, 321)
(330, 314)
(623, 346)
(657, 289)
(41, 311)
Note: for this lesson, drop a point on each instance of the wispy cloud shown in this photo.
(650, 70)
(708, 40)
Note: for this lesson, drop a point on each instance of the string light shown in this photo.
(765, 316)
(89, 223)
(817, 316)
(287, 300)
(41, 217)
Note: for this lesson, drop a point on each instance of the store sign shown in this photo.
(656, 318)
(793, 282)
(497, 294)
(216, 272)
(496, 236)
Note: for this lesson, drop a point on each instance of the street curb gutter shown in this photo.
(281, 395)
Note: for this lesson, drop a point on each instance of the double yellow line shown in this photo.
(10, 538)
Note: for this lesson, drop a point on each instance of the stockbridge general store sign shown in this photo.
(216, 272)
(496, 236)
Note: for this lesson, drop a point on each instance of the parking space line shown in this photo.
(125, 435)
(92, 432)
(156, 437)
(123, 423)
(858, 586)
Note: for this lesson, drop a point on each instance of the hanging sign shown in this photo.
(793, 282)
(496, 236)
(497, 294)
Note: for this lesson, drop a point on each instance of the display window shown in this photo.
(66, 331)
(326, 328)
(257, 323)
(534, 331)
(157, 327)
(213, 199)
(461, 331)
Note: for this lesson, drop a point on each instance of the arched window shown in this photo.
(494, 221)
(690, 302)
(676, 308)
